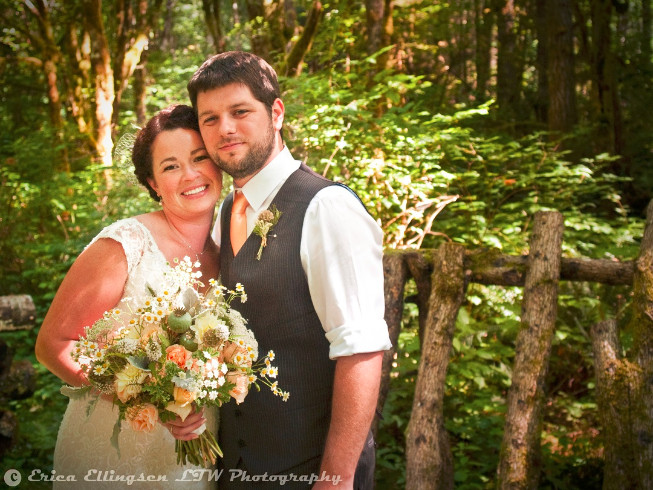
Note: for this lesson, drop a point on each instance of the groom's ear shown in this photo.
(278, 111)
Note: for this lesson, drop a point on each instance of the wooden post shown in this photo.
(429, 460)
(17, 312)
(521, 439)
(395, 272)
(617, 390)
(420, 265)
(642, 326)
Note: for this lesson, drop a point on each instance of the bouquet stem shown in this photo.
(202, 451)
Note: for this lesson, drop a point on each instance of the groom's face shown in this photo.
(239, 132)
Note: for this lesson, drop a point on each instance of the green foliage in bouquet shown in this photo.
(135, 357)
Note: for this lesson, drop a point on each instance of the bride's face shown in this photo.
(183, 174)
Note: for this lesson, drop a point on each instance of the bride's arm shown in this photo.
(93, 285)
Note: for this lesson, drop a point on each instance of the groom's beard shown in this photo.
(253, 160)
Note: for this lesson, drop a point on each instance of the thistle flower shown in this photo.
(266, 220)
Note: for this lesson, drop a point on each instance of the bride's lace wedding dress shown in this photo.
(147, 460)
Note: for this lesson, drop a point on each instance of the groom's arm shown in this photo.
(355, 393)
(342, 256)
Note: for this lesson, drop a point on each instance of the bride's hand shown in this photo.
(184, 430)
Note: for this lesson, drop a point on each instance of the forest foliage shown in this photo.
(454, 121)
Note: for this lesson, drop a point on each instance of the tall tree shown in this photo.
(259, 36)
(211, 10)
(379, 34)
(645, 38)
(509, 73)
(47, 56)
(282, 23)
(135, 23)
(374, 11)
(560, 65)
(604, 83)
(483, 23)
(293, 62)
(104, 83)
(542, 62)
(77, 49)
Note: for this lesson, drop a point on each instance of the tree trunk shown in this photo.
(396, 273)
(484, 21)
(645, 39)
(604, 86)
(542, 61)
(166, 37)
(104, 84)
(384, 60)
(212, 20)
(521, 439)
(509, 76)
(282, 21)
(379, 33)
(140, 91)
(17, 312)
(617, 383)
(374, 16)
(132, 41)
(303, 44)
(51, 59)
(259, 37)
(562, 88)
(429, 462)
(78, 48)
(642, 327)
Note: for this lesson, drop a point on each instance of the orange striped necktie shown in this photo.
(238, 229)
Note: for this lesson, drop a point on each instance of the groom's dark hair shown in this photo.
(236, 67)
(176, 116)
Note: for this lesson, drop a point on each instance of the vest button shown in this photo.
(241, 443)
(237, 412)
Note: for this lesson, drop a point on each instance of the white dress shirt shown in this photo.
(342, 256)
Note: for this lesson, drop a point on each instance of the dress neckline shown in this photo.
(154, 244)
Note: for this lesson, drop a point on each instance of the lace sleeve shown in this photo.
(132, 235)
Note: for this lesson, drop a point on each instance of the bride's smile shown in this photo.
(183, 174)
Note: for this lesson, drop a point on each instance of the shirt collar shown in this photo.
(258, 188)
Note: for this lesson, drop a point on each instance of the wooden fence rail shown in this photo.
(624, 386)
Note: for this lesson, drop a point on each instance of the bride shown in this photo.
(172, 163)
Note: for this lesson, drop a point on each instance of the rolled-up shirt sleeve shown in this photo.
(342, 255)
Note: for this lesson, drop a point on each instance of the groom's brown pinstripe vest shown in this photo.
(268, 434)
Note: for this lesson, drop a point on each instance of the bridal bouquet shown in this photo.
(175, 351)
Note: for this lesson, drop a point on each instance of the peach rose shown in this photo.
(182, 396)
(183, 404)
(143, 418)
(195, 366)
(241, 382)
(150, 330)
(178, 354)
(236, 354)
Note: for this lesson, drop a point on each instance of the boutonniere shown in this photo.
(264, 223)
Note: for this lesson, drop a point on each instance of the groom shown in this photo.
(315, 295)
